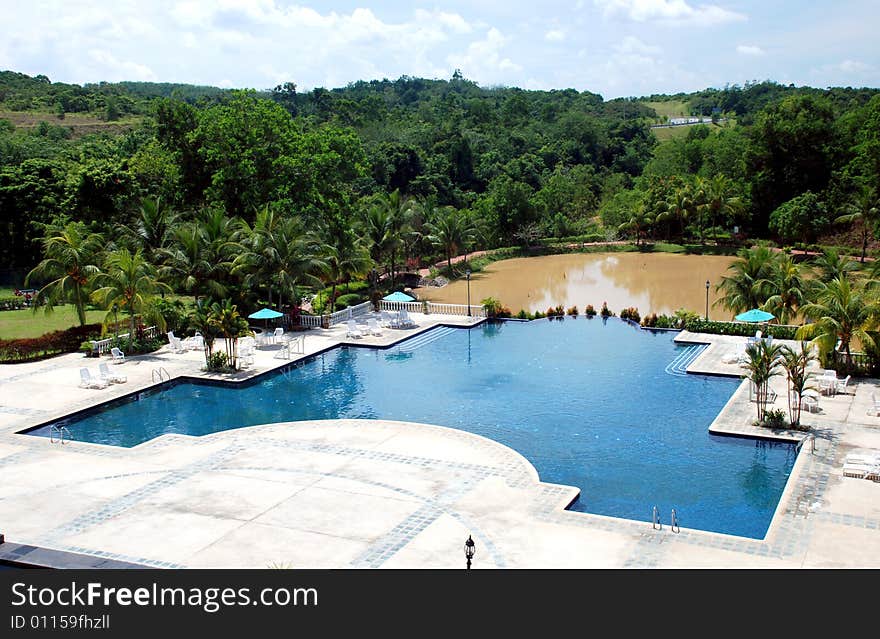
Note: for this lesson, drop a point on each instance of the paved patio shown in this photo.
(350, 493)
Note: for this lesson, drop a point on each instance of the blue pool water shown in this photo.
(587, 402)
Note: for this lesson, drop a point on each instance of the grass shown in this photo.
(25, 323)
(670, 108)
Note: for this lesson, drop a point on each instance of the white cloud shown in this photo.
(632, 45)
(676, 12)
(748, 49)
(554, 35)
(484, 59)
(117, 70)
(854, 66)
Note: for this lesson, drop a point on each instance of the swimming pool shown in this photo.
(587, 402)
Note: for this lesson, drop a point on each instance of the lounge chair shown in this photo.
(388, 320)
(405, 318)
(118, 355)
(87, 380)
(841, 386)
(111, 378)
(734, 356)
(353, 330)
(810, 402)
(278, 334)
(194, 343)
(373, 327)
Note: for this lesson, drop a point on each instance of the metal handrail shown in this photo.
(673, 526)
(60, 431)
(159, 372)
(656, 524)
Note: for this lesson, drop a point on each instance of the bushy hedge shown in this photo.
(13, 303)
(740, 329)
(55, 343)
(350, 299)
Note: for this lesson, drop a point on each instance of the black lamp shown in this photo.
(468, 274)
(469, 549)
(707, 300)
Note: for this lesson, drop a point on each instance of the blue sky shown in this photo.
(612, 47)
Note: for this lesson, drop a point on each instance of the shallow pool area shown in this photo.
(588, 403)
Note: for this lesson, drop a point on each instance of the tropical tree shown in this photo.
(720, 201)
(451, 231)
(129, 284)
(386, 226)
(343, 253)
(762, 365)
(198, 256)
(742, 289)
(864, 208)
(72, 254)
(639, 223)
(151, 228)
(786, 287)
(832, 265)
(795, 363)
(230, 325)
(200, 320)
(842, 312)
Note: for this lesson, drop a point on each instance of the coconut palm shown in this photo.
(344, 254)
(832, 265)
(451, 231)
(762, 365)
(720, 202)
(842, 312)
(795, 363)
(151, 228)
(865, 208)
(786, 287)
(640, 222)
(742, 289)
(230, 325)
(198, 255)
(129, 284)
(387, 225)
(72, 254)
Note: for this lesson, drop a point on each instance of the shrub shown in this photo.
(605, 311)
(631, 313)
(217, 361)
(13, 303)
(775, 418)
(55, 343)
(349, 299)
(559, 310)
(492, 306)
(589, 311)
(539, 315)
(573, 311)
(740, 329)
(522, 314)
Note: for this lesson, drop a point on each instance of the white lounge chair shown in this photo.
(87, 380)
(118, 355)
(111, 378)
(373, 327)
(194, 343)
(404, 319)
(278, 334)
(388, 320)
(810, 403)
(353, 330)
(841, 386)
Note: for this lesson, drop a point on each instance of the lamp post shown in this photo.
(468, 274)
(469, 549)
(707, 300)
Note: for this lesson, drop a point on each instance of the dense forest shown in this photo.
(475, 167)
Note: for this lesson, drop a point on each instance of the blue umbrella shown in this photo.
(266, 313)
(397, 296)
(755, 315)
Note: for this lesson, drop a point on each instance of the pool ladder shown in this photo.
(160, 374)
(59, 432)
(812, 439)
(657, 524)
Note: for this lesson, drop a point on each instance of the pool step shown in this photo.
(685, 358)
(425, 338)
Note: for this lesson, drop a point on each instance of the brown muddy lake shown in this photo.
(652, 282)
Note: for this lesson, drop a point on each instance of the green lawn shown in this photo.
(670, 108)
(24, 323)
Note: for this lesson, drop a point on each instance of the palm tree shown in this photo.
(230, 325)
(640, 222)
(786, 288)
(377, 230)
(451, 231)
(761, 366)
(197, 257)
(72, 253)
(864, 207)
(742, 289)
(831, 265)
(719, 202)
(257, 250)
(387, 225)
(130, 285)
(151, 229)
(344, 254)
(841, 313)
(795, 364)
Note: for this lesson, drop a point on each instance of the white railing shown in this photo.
(312, 321)
(350, 313)
(455, 309)
(409, 307)
(103, 346)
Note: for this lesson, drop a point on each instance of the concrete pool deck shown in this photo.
(350, 493)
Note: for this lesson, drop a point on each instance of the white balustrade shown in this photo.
(103, 346)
